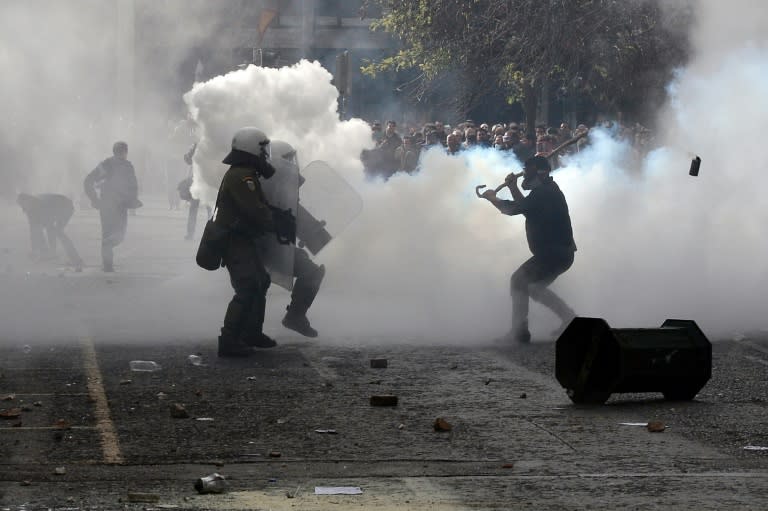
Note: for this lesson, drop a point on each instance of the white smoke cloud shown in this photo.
(296, 104)
(427, 259)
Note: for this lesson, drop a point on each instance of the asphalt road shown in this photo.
(89, 433)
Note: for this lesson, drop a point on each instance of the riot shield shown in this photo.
(281, 191)
(328, 205)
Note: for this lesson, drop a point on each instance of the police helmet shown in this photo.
(249, 140)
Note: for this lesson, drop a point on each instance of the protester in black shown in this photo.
(550, 239)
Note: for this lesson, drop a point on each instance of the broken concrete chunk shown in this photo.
(179, 411)
(10, 413)
(442, 425)
(59, 471)
(384, 400)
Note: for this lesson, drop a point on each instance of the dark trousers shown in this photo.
(309, 276)
(114, 223)
(531, 280)
(245, 314)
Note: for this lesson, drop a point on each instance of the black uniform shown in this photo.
(116, 179)
(550, 239)
(243, 210)
(50, 213)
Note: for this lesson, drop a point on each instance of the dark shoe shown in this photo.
(522, 337)
(299, 323)
(262, 341)
(233, 349)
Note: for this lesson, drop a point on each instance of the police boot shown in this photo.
(229, 343)
(296, 320)
(259, 341)
(252, 335)
(229, 347)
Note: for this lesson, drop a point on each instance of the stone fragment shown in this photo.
(656, 427)
(442, 425)
(384, 400)
(179, 411)
(275, 454)
(10, 413)
(60, 471)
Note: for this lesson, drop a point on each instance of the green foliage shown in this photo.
(613, 51)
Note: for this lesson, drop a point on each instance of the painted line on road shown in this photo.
(110, 445)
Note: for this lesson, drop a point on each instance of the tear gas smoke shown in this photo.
(427, 260)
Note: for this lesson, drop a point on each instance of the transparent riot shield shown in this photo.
(281, 191)
(328, 205)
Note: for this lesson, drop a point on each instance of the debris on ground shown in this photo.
(508, 465)
(62, 424)
(338, 490)
(656, 427)
(384, 400)
(442, 425)
(126, 382)
(10, 413)
(327, 431)
(523, 396)
(26, 482)
(195, 360)
(161, 396)
(205, 419)
(275, 454)
(143, 497)
(755, 448)
(8, 397)
(378, 363)
(212, 483)
(179, 411)
(60, 471)
(144, 366)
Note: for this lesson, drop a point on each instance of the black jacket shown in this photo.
(547, 221)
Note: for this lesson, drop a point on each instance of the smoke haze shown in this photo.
(426, 259)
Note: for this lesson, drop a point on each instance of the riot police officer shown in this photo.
(244, 212)
(307, 273)
(116, 179)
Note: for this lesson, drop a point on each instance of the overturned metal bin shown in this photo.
(594, 360)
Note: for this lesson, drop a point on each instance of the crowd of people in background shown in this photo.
(400, 150)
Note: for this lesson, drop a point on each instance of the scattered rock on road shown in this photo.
(442, 425)
(179, 411)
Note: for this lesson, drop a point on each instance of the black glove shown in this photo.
(285, 225)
